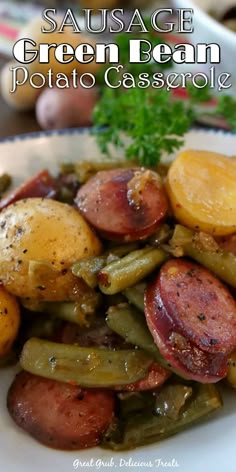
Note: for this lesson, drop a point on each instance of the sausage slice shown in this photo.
(199, 304)
(59, 415)
(41, 185)
(192, 317)
(123, 204)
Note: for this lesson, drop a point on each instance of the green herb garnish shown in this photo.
(147, 122)
(149, 118)
(227, 109)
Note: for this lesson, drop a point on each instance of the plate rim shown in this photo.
(84, 130)
(59, 461)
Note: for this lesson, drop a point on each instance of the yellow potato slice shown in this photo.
(202, 191)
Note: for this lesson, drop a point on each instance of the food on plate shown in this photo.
(172, 410)
(201, 187)
(60, 415)
(128, 312)
(41, 185)
(229, 244)
(192, 317)
(66, 108)
(155, 378)
(216, 255)
(9, 321)
(130, 324)
(85, 366)
(133, 268)
(5, 183)
(124, 204)
(76, 312)
(37, 249)
(231, 374)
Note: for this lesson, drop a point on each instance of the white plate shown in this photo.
(208, 446)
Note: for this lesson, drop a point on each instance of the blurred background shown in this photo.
(26, 112)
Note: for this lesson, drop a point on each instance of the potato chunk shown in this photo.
(202, 190)
(39, 241)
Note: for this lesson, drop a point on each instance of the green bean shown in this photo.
(171, 399)
(73, 312)
(132, 402)
(130, 270)
(88, 367)
(161, 236)
(135, 295)
(84, 170)
(222, 263)
(5, 182)
(165, 402)
(88, 269)
(130, 324)
(149, 426)
(120, 251)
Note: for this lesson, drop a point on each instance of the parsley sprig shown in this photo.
(148, 122)
(227, 109)
(149, 119)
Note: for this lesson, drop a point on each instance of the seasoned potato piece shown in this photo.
(9, 321)
(202, 190)
(39, 241)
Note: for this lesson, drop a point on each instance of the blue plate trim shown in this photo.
(76, 131)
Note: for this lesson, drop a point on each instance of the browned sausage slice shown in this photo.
(59, 415)
(155, 378)
(192, 317)
(199, 304)
(123, 204)
(183, 356)
(41, 185)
